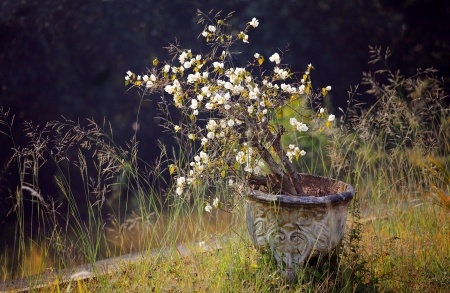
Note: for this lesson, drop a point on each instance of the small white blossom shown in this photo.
(322, 110)
(302, 153)
(169, 89)
(205, 34)
(328, 88)
(299, 125)
(275, 58)
(301, 89)
(183, 57)
(256, 55)
(218, 64)
(216, 202)
(208, 208)
(254, 22)
(211, 28)
(331, 118)
(244, 37)
(193, 77)
(181, 181)
(240, 157)
(206, 91)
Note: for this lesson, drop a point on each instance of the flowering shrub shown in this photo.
(233, 116)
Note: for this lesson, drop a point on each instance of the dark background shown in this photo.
(69, 57)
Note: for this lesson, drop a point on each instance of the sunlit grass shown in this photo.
(409, 249)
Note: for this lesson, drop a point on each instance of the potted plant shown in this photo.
(231, 117)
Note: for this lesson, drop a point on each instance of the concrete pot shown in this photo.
(297, 228)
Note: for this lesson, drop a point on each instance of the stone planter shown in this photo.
(297, 228)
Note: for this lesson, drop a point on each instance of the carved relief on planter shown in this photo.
(297, 230)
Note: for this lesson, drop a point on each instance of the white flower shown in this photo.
(193, 77)
(302, 153)
(138, 77)
(218, 64)
(211, 28)
(256, 55)
(204, 157)
(281, 73)
(129, 73)
(182, 57)
(240, 157)
(216, 202)
(127, 77)
(328, 88)
(181, 181)
(302, 127)
(205, 34)
(331, 118)
(166, 68)
(244, 37)
(212, 125)
(254, 22)
(275, 58)
(177, 128)
(187, 64)
(299, 125)
(230, 122)
(301, 89)
(208, 208)
(169, 89)
(206, 91)
(322, 110)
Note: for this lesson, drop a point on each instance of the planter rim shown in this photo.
(308, 200)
